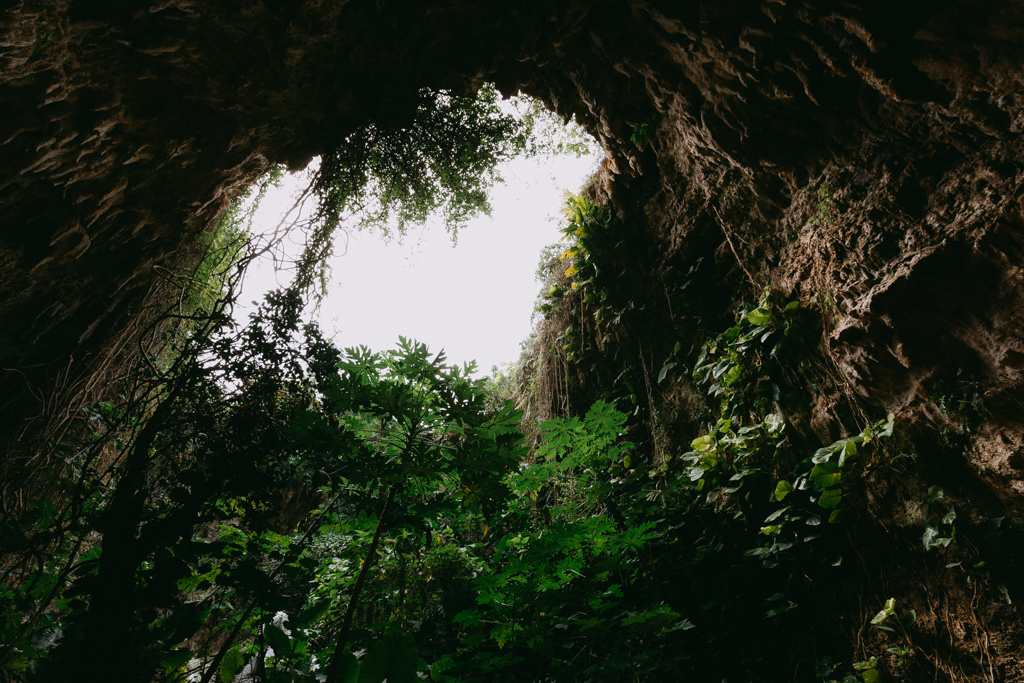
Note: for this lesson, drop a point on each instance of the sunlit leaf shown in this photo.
(950, 516)
(826, 474)
(759, 316)
(703, 443)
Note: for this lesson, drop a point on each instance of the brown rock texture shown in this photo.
(862, 157)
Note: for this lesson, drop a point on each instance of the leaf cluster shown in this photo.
(440, 159)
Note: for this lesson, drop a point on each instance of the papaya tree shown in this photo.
(262, 463)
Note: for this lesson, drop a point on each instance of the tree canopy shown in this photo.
(441, 160)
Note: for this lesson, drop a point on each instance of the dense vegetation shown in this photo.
(269, 507)
(262, 506)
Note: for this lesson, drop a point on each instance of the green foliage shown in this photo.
(378, 516)
(567, 575)
(593, 277)
(213, 267)
(960, 401)
(823, 212)
(262, 444)
(887, 619)
(393, 658)
(748, 446)
(43, 41)
(443, 159)
(550, 135)
(439, 159)
(640, 135)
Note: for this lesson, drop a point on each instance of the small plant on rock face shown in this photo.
(43, 41)
(824, 214)
(641, 135)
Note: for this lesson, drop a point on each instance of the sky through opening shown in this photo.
(474, 299)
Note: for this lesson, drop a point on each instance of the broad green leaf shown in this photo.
(664, 370)
(311, 614)
(734, 375)
(232, 662)
(884, 428)
(774, 423)
(932, 538)
(783, 489)
(826, 474)
(888, 610)
(759, 316)
(831, 498)
(278, 640)
(703, 443)
(348, 668)
(440, 666)
(950, 516)
(709, 461)
(934, 493)
(823, 454)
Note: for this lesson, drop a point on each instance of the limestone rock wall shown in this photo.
(865, 160)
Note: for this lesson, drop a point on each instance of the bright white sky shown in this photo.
(474, 300)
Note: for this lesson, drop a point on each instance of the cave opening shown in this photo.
(472, 294)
